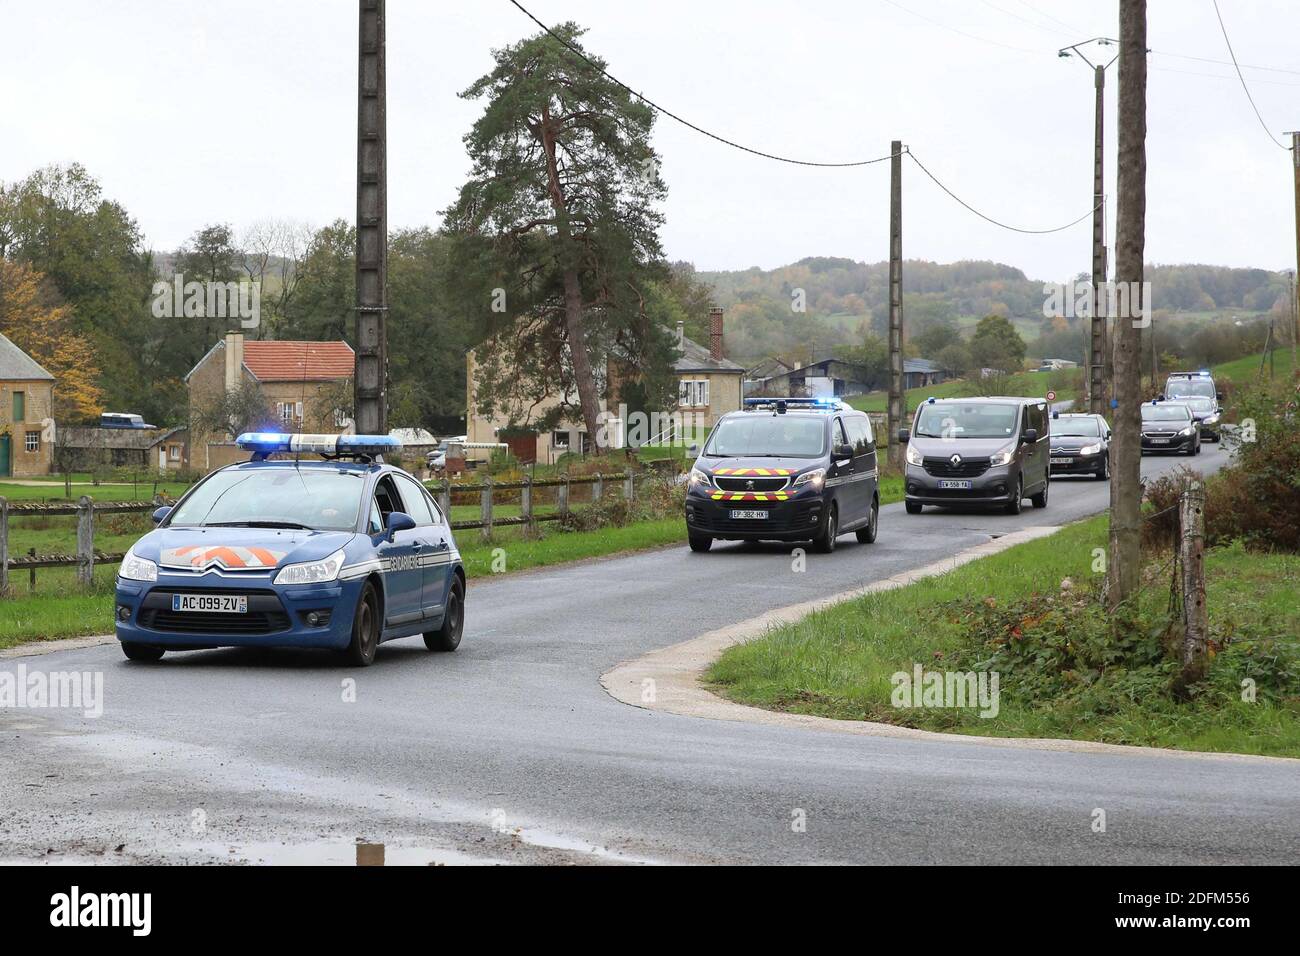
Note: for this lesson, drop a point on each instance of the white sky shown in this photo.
(234, 110)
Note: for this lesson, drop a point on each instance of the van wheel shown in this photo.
(824, 543)
(141, 652)
(1013, 503)
(868, 534)
(913, 507)
(699, 544)
(447, 637)
(1040, 500)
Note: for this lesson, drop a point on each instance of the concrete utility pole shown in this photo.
(1130, 247)
(1097, 352)
(1295, 286)
(897, 404)
(371, 374)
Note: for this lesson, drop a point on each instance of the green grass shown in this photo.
(1245, 370)
(839, 662)
(53, 491)
(1022, 383)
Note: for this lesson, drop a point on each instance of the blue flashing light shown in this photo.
(930, 400)
(269, 443)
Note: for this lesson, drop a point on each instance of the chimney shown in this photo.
(715, 334)
(234, 360)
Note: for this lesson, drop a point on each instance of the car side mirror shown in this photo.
(843, 451)
(903, 436)
(1160, 398)
(161, 514)
(1218, 396)
(1031, 436)
(693, 448)
(1108, 434)
(398, 521)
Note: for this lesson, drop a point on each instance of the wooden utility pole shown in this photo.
(1191, 553)
(1295, 285)
(1097, 391)
(1130, 247)
(371, 370)
(897, 405)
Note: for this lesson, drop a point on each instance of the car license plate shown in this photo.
(953, 483)
(1062, 461)
(210, 603)
(738, 514)
(1160, 441)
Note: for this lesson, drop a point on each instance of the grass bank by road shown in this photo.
(1062, 673)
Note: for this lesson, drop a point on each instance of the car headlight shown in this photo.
(914, 456)
(137, 569)
(1189, 430)
(1090, 449)
(1211, 419)
(812, 479)
(311, 572)
(1002, 457)
(699, 478)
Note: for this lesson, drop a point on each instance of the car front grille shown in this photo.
(750, 484)
(966, 468)
(265, 614)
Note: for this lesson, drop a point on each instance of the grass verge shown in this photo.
(1064, 674)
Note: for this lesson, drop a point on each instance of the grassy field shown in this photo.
(1023, 383)
(1244, 370)
(839, 662)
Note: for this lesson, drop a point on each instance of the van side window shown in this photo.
(839, 435)
(859, 430)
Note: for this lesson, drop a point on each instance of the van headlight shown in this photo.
(699, 479)
(1090, 449)
(1002, 457)
(913, 456)
(137, 569)
(311, 572)
(811, 479)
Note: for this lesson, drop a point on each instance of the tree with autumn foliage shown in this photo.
(34, 318)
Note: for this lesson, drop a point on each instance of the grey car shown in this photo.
(978, 451)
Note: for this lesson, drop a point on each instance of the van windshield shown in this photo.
(768, 436)
(1189, 387)
(966, 420)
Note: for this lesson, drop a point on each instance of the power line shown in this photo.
(687, 123)
(1243, 79)
(990, 219)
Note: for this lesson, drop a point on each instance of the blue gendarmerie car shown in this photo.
(341, 551)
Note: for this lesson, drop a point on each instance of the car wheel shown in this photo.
(1040, 500)
(1103, 473)
(1014, 502)
(824, 543)
(447, 637)
(913, 507)
(868, 534)
(141, 652)
(365, 628)
(699, 544)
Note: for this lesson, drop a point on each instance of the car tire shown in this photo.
(913, 507)
(366, 624)
(1013, 504)
(143, 653)
(867, 535)
(699, 543)
(824, 543)
(1040, 500)
(1103, 473)
(447, 637)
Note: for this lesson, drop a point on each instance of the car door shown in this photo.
(841, 474)
(1036, 461)
(864, 463)
(432, 546)
(403, 574)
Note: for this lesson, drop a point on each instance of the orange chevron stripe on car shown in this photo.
(750, 496)
(765, 472)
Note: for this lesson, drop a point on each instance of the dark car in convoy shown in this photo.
(1080, 445)
(977, 451)
(1169, 427)
(1198, 392)
(785, 469)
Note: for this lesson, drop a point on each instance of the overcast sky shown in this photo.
(234, 110)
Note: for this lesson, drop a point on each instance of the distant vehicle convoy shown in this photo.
(1199, 393)
(1080, 445)
(1169, 427)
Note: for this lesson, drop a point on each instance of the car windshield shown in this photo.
(1165, 413)
(754, 435)
(1189, 387)
(1082, 427)
(966, 420)
(273, 497)
(1199, 404)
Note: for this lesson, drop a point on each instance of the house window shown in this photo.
(32, 441)
(693, 392)
(340, 418)
(174, 452)
(560, 439)
(20, 406)
(290, 411)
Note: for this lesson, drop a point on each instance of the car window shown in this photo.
(387, 499)
(274, 495)
(417, 505)
(752, 434)
(375, 524)
(859, 429)
(966, 420)
(841, 438)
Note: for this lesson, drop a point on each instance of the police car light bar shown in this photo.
(269, 443)
(822, 402)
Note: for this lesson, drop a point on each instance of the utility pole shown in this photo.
(1295, 285)
(897, 405)
(371, 372)
(1097, 338)
(1130, 246)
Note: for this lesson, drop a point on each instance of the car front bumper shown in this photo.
(993, 486)
(798, 518)
(1077, 464)
(298, 616)
(1176, 443)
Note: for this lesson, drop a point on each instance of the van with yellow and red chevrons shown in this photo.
(785, 469)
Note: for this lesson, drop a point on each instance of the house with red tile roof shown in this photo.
(307, 387)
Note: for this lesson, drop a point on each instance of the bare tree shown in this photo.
(273, 251)
(1130, 242)
(232, 412)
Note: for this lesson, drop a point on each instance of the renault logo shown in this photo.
(955, 460)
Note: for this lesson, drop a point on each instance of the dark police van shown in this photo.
(785, 469)
(987, 451)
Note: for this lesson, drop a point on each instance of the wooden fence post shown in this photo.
(4, 546)
(85, 540)
(629, 486)
(486, 510)
(598, 487)
(1191, 545)
(526, 505)
(562, 496)
(31, 572)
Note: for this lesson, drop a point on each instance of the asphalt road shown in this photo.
(510, 750)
